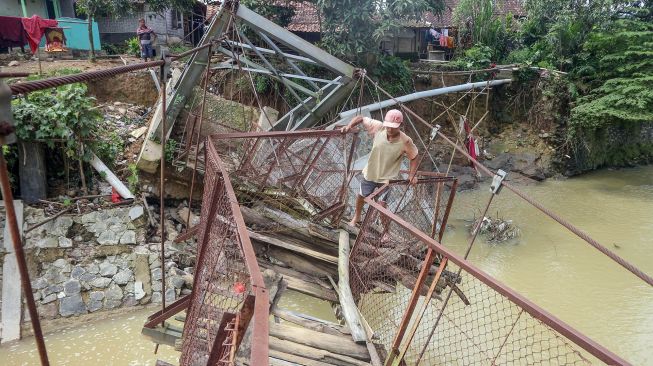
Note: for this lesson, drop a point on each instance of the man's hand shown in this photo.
(353, 123)
(412, 179)
(345, 129)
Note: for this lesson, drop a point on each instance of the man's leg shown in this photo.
(360, 201)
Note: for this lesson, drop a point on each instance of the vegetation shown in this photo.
(133, 47)
(352, 29)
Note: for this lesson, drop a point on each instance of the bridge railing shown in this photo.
(469, 317)
(228, 288)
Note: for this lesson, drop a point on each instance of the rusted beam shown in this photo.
(163, 315)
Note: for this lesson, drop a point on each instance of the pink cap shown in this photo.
(393, 119)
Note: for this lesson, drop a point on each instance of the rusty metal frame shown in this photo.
(258, 308)
(584, 342)
(172, 309)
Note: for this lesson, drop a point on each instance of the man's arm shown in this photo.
(353, 123)
(412, 177)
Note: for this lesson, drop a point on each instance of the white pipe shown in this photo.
(122, 189)
(424, 94)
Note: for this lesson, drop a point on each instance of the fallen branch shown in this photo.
(48, 219)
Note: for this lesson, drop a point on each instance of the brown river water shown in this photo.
(547, 264)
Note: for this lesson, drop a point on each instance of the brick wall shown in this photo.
(114, 30)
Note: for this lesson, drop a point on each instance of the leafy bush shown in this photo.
(64, 113)
(133, 47)
(393, 75)
(132, 179)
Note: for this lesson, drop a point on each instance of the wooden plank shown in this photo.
(349, 309)
(334, 344)
(294, 359)
(290, 272)
(293, 247)
(302, 263)
(277, 344)
(311, 289)
(311, 323)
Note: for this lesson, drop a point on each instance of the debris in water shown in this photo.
(497, 230)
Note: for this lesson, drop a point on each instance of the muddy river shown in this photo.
(547, 264)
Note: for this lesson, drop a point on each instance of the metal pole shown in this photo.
(162, 191)
(7, 136)
(199, 132)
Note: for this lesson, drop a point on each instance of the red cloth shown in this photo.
(115, 197)
(11, 32)
(470, 143)
(35, 27)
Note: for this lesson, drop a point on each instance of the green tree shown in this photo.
(95, 8)
(351, 28)
(616, 74)
(478, 21)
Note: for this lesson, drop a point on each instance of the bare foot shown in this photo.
(353, 222)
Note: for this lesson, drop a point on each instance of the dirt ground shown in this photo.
(83, 65)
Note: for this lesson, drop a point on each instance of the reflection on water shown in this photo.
(113, 341)
(560, 272)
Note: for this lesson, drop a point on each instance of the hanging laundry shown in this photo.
(443, 41)
(470, 142)
(12, 33)
(35, 27)
(449, 42)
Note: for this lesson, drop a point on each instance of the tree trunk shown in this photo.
(31, 168)
(91, 54)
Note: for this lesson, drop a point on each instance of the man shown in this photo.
(388, 149)
(145, 35)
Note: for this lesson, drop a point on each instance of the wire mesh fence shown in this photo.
(227, 281)
(469, 317)
(303, 174)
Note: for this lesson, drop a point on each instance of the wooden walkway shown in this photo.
(304, 262)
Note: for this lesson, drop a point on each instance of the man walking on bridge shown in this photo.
(388, 149)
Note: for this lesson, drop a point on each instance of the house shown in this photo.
(409, 42)
(172, 26)
(75, 29)
(49, 9)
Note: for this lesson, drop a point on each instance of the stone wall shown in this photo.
(97, 261)
(615, 145)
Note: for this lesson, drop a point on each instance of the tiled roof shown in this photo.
(305, 18)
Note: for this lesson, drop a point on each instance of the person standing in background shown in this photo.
(145, 36)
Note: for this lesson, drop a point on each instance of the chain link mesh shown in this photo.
(303, 174)
(222, 281)
(467, 321)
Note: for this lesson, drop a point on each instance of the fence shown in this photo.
(228, 288)
(469, 317)
(303, 174)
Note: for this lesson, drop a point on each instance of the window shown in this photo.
(176, 19)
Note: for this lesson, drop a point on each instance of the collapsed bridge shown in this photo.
(271, 212)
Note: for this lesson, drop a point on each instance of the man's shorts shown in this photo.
(367, 188)
(147, 51)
